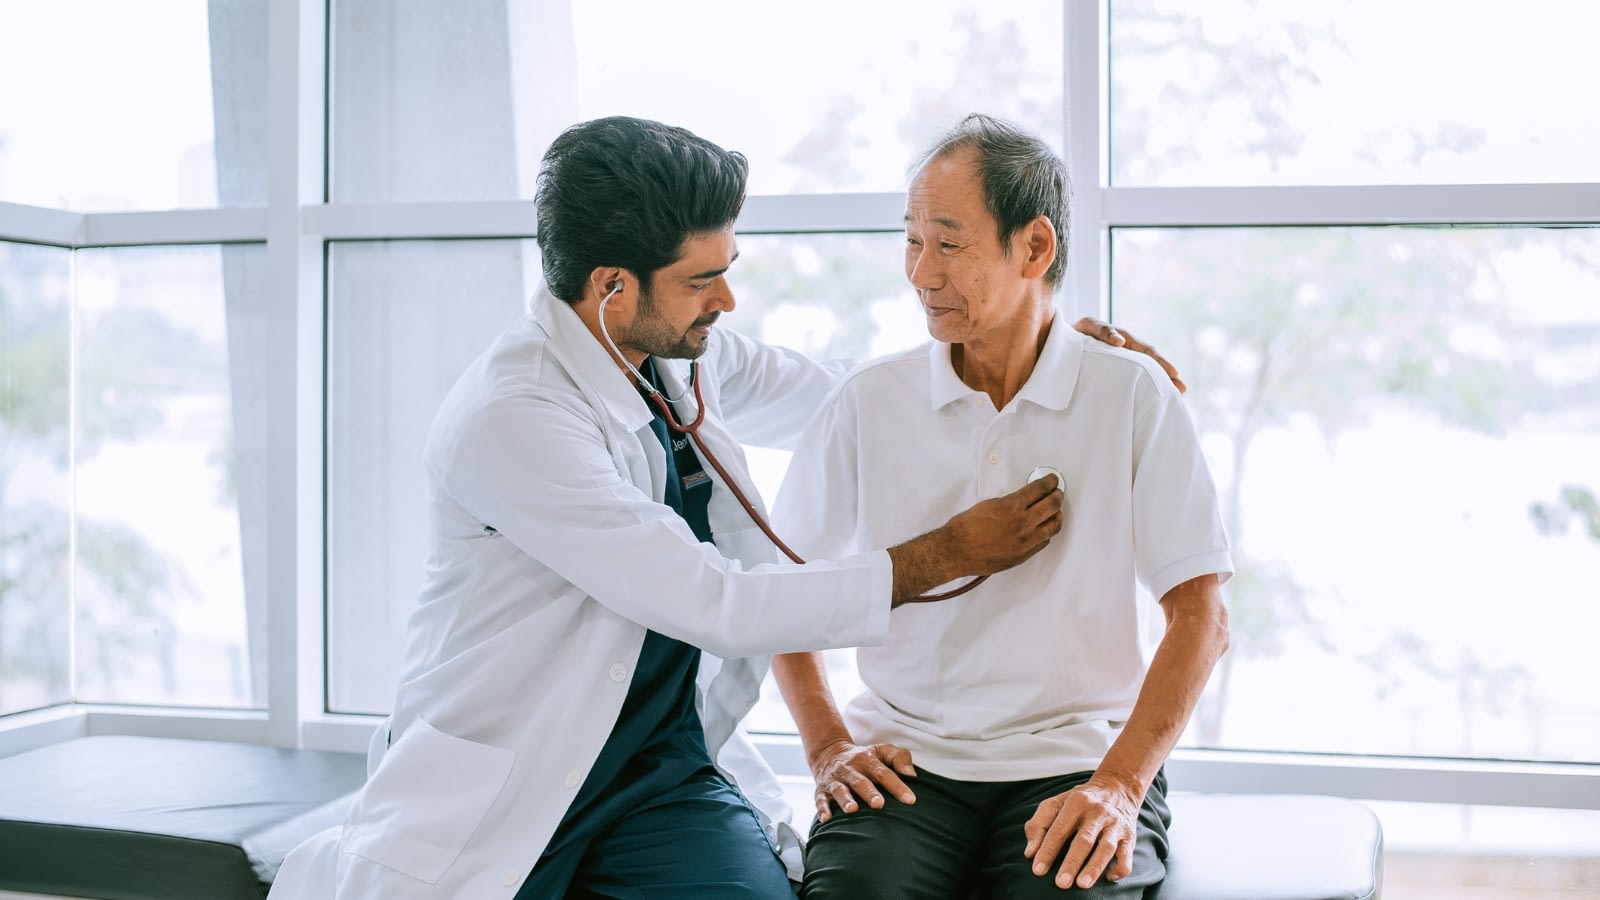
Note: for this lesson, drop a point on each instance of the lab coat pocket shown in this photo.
(425, 800)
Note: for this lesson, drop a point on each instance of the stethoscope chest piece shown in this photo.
(1041, 471)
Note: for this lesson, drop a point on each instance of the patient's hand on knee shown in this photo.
(1095, 823)
(845, 771)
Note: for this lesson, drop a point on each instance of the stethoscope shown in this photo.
(692, 429)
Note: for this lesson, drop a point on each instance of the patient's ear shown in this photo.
(1035, 244)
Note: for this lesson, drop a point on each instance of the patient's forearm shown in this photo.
(1197, 636)
(803, 680)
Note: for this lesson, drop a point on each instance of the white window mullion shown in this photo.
(762, 214)
(822, 213)
(1085, 94)
(297, 73)
(419, 221)
(181, 226)
(1489, 204)
(1466, 781)
(38, 225)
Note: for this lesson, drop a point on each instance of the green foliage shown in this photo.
(33, 377)
(1575, 504)
(1276, 323)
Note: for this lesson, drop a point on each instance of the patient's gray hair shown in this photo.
(1022, 179)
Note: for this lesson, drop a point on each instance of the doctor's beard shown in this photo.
(652, 334)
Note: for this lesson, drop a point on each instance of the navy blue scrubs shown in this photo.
(654, 818)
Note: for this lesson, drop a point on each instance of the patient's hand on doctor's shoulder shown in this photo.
(987, 537)
(849, 774)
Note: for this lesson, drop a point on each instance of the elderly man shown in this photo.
(1033, 726)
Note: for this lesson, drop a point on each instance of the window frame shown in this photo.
(298, 223)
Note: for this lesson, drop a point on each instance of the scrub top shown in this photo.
(658, 741)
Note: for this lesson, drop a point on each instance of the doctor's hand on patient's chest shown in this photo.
(846, 771)
(987, 537)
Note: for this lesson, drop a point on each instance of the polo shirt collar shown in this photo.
(589, 362)
(946, 386)
(1054, 376)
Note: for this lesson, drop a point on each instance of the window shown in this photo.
(1400, 418)
(404, 319)
(1403, 423)
(133, 440)
(133, 106)
(485, 86)
(167, 338)
(1233, 92)
(35, 488)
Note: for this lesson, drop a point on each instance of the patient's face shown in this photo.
(969, 289)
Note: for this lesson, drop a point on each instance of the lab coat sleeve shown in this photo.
(535, 466)
(819, 504)
(1178, 530)
(769, 393)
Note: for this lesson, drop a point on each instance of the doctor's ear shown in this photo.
(608, 282)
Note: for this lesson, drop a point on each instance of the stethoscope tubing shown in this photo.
(693, 431)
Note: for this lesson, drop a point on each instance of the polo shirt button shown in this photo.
(994, 458)
(511, 879)
(618, 672)
(574, 778)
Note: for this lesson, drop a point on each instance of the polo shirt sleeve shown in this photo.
(817, 507)
(768, 393)
(1177, 518)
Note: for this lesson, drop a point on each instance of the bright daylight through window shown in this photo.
(131, 425)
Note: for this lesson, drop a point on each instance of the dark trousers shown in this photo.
(697, 840)
(963, 840)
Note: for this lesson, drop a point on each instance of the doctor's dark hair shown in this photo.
(627, 192)
(1022, 179)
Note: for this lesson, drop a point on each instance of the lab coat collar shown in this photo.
(590, 363)
(1050, 385)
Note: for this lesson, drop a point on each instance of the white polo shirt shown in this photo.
(1034, 673)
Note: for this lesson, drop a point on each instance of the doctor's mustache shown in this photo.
(706, 320)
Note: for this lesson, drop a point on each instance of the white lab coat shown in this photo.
(523, 646)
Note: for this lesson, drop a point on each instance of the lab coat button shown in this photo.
(994, 458)
(574, 778)
(618, 672)
(511, 879)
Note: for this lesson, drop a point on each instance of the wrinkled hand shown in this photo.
(1002, 532)
(845, 771)
(1095, 823)
(1106, 333)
